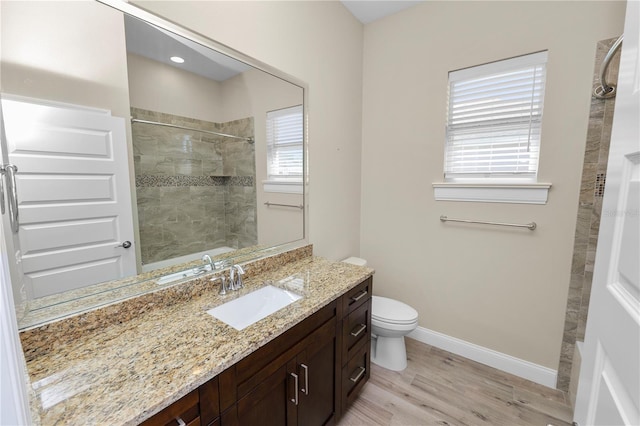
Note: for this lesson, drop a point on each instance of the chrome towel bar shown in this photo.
(299, 206)
(531, 226)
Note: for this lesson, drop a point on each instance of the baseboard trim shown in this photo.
(507, 363)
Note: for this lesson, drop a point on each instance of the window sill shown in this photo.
(282, 187)
(532, 193)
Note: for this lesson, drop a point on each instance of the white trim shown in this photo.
(54, 104)
(534, 193)
(14, 403)
(517, 62)
(507, 363)
(282, 187)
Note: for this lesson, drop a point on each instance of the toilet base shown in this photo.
(389, 352)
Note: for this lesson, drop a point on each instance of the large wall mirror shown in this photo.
(131, 148)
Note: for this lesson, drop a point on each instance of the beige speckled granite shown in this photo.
(51, 308)
(40, 340)
(123, 372)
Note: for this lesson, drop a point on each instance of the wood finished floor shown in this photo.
(440, 388)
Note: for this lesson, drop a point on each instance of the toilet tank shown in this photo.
(355, 261)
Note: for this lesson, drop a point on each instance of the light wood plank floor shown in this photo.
(440, 388)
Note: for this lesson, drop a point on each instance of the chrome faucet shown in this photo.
(235, 277)
(223, 286)
(206, 258)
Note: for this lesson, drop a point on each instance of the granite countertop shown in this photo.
(128, 370)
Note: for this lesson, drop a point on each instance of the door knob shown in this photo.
(126, 245)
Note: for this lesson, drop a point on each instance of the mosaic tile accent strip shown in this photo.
(601, 179)
(241, 180)
(155, 181)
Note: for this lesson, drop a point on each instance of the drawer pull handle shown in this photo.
(295, 385)
(358, 376)
(180, 422)
(305, 389)
(362, 328)
(360, 295)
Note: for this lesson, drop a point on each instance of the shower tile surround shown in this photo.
(145, 353)
(589, 210)
(193, 188)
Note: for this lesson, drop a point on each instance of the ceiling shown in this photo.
(159, 45)
(370, 10)
(156, 44)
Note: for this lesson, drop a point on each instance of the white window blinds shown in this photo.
(494, 119)
(284, 144)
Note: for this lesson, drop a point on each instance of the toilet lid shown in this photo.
(392, 311)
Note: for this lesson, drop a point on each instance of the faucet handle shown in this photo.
(223, 287)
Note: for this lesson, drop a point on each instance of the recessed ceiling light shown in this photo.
(177, 59)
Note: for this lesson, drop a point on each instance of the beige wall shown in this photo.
(320, 43)
(159, 87)
(500, 288)
(254, 93)
(89, 71)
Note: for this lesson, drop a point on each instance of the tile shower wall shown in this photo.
(195, 191)
(590, 206)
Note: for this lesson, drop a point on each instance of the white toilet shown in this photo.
(391, 320)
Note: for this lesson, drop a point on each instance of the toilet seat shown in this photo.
(390, 311)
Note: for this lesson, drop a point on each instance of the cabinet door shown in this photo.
(316, 371)
(272, 402)
(184, 411)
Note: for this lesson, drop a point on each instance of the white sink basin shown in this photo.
(250, 308)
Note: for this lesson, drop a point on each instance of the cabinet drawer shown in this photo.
(356, 296)
(356, 328)
(355, 374)
(184, 411)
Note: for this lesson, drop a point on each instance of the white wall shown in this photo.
(321, 44)
(500, 288)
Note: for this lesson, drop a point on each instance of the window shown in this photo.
(493, 132)
(284, 147)
(494, 120)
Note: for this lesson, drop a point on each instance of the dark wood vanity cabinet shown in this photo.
(356, 341)
(185, 411)
(290, 381)
(198, 407)
(307, 376)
